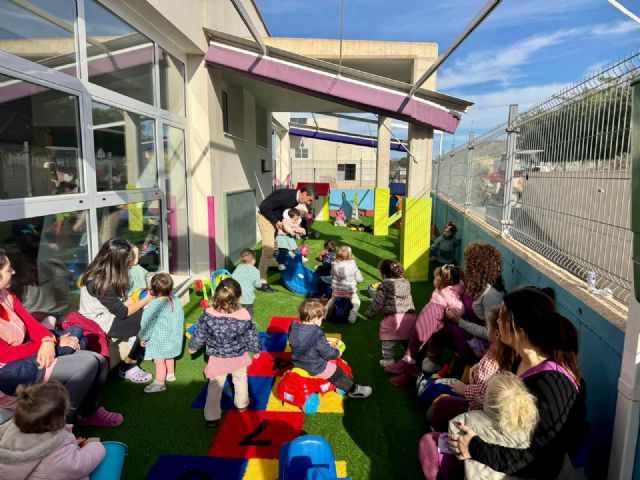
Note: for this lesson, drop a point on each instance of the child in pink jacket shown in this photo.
(447, 294)
(38, 444)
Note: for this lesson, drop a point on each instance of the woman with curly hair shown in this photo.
(485, 288)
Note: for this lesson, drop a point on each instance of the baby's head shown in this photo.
(161, 285)
(311, 311)
(450, 230)
(293, 213)
(446, 276)
(330, 246)
(41, 408)
(508, 401)
(344, 253)
(134, 256)
(248, 257)
(227, 296)
(391, 269)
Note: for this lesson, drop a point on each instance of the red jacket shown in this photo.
(98, 340)
(34, 332)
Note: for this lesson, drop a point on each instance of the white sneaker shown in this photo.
(385, 362)
(136, 375)
(305, 259)
(155, 387)
(171, 377)
(353, 316)
(282, 267)
(361, 391)
(429, 366)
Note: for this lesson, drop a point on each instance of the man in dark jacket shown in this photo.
(270, 216)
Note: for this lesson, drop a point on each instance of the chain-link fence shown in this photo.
(566, 166)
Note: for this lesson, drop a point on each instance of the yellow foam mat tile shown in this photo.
(329, 403)
(267, 469)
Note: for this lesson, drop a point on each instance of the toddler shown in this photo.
(393, 298)
(345, 278)
(37, 442)
(447, 294)
(508, 418)
(248, 276)
(444, 247)
(327, 256)
(161, 331)
(137, 274)
(471, 396)
(229, 334)
(311, 350)
(290, 230)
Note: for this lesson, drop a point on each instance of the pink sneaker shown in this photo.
(397, 368)
(402, 381)
(101, 418)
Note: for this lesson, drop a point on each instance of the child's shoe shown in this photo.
(171, 377)
(155, 387)
(353, 316)
(282, 267)
(361, 391)
(397, 368)
(212, 423)
(430, 366)
(305, 259)
(292, 254)
(101, 418)
(386, 362)
(136, 375)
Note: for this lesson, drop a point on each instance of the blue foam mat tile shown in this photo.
(174, 467)
(259, 390)
(273, 342)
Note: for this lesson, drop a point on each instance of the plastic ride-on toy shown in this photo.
(208, 287)
(302, 390)
(308, 457)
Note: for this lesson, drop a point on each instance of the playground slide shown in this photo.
(296, 277)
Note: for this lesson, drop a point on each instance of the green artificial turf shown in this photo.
(377, 437)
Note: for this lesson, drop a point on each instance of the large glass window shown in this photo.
(137, 222)
(171, 83)
(41, 31)
(119, 57)
(175, 181)
(125, 149)
(48, 254)
(39, 140)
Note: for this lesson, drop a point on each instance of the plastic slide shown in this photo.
(296, 276)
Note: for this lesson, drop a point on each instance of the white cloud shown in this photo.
(615, 29)
(492, 109)
(499, 65)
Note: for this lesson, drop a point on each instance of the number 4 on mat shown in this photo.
(250, 439)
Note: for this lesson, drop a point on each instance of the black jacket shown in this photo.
(274, 205)
(310, 348)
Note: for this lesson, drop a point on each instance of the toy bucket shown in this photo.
(111, 466)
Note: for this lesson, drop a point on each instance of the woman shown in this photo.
(103, 299)
(544, 345)
(83, 373)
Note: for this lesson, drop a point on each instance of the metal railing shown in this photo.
(352, 177)
(562, 187)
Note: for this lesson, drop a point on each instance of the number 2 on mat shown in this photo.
(250, 439)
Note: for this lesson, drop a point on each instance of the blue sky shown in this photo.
(524, 52)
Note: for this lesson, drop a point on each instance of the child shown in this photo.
(345, 277)
(444, 247)
(509, 418)
(229, 334)
(327, 256)
(137, 274)
(37, 442)
(161, 331)
(471, 395)
(248, 276)
(447, 294)
(311, 350)
(393, 298)
(290, 230)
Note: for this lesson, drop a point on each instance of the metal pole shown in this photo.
(512, 136)
(27, 162)
(435, 193)
(470, 148)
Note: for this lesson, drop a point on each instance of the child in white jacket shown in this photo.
(38, 444)
(345, 279)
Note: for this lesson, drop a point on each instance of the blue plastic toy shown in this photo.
(340, 310)
(296, 276)
(111, 467)
(218, 276)
(308, 457)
